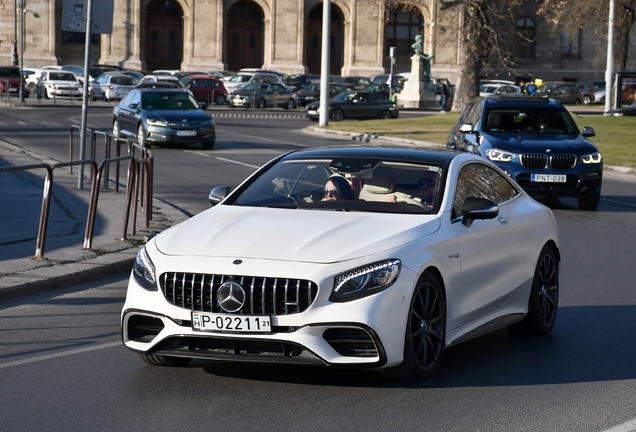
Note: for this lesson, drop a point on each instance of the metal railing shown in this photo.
(139, 184)
(71, 89)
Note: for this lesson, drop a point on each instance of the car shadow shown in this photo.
(588, 344)
(609, 204)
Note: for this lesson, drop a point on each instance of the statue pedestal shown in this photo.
(417, 94)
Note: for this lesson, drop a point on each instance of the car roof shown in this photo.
(516, 100)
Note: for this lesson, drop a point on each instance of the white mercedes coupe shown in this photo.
(353, 256)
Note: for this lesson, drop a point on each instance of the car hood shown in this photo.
(292, 235)
(530, 143)
(177, 115)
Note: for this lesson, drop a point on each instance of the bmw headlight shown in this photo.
(366, 280)
(594, 158)
(497, 155)
(144, 271)
(153, 122)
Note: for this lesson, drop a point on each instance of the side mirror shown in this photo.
(466, 128)
(203, 106)
(133, 106)
(478, 208)
(218, 194)
(588, 131)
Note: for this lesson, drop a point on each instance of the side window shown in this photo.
(128, 99)
(475, 115)
(473, 181)
(502, 189)
(136, 97)
(466, 113)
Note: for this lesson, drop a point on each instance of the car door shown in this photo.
(487, 248)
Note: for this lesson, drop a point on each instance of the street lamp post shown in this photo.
(22, 8)
(14, 52)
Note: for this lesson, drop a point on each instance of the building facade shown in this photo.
(285, 35)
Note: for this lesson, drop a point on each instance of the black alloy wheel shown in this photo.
(337, 115)
(544, 297)
(589, 202)
(385, 115)
(425, 332)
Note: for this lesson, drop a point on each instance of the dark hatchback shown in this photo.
(356, 105)
(535, 140)
(163, 117)
(311, 93)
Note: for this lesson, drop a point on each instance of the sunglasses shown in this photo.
(427, 182)
(330, 192)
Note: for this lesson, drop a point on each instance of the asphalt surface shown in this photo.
(64, 261)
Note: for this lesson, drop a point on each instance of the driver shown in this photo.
(337, 188)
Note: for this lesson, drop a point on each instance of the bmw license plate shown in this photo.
(187, 133)
(231, 323)
(548, 178)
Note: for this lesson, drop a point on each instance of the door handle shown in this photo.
(503, 220)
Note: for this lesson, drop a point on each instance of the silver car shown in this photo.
(112, 86)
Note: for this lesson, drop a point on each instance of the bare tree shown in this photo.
(593, 15)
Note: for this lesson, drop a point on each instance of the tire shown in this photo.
(587, 100)
(208, 145)
(337, 115)
(116, 131)
(31, 87)
(589, 202)
(219, 100)
(425, 332)
(577, 102)
(157, 360)
(385, 115)
(544, 297)
(262, 104)
(141, 137)
(290, 105)
(603, 99)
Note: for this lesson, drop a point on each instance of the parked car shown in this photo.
(383, 89)
(220, 74)
(298, 81)
(58, 83)
(206, 89)
(311, 93)
(600, 96)
(356, 105)
(161, 84)
(589, 94)
(79, 72)
(163, 117)
(112, 86)
(486, 90)
(241, 79)
(276, 273)
(10, 81)
(263, 95)
(623, 111)
(355, 82)
(536, 142)
(564, 92)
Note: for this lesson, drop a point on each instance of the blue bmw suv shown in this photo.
(535, 140)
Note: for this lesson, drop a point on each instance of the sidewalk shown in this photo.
(64, 262)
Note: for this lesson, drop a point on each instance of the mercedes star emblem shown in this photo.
(231, 297)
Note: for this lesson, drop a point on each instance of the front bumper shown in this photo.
(160, 134)
(364, 333)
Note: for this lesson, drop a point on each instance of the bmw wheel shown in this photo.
(158, 360)
(141, 137)
(425, 332)
(544, 297)
(589, 202)
(337, 115)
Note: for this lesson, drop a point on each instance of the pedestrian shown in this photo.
(532, 88)
(445, 94)
(522, 88)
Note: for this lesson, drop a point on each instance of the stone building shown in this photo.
(285, 35)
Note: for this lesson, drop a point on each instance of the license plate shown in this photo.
(548, 178)
(231, 323)
(312, 112)
(187, 133)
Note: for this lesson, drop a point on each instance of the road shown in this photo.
(62, 365)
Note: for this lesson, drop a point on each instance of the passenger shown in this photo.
(337, 188)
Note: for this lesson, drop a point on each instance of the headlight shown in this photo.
(500, 155)
(144, 271)
(208, 123)
(153, 122)
(593, 158)
(364, 281)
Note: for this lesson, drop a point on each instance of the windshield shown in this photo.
(363, 185)
(254, 87)
(168, 101)
(343, 97)
(528, 120)
(240, 78)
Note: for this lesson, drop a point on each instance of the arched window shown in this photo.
(525, 37)
(400, 32)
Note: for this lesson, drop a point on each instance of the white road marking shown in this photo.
(238, 163)
(629, 426)
(60, 354)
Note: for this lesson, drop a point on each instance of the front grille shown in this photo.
(563, 162)
(182, 125)
(538, 161)
(534, 161)
(263, 296)
(351, 342)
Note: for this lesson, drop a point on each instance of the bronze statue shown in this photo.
(425, 58)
